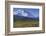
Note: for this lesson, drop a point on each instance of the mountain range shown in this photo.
(24, 18)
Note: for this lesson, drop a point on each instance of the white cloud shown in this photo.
(21, 12)
(24, 14)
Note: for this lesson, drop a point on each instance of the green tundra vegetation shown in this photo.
(26, 23)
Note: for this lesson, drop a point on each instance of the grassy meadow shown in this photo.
(26, 23)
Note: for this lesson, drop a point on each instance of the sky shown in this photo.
(26, 12)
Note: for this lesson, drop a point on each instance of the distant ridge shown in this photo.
(22, 17)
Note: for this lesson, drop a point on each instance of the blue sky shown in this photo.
(26, 12)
